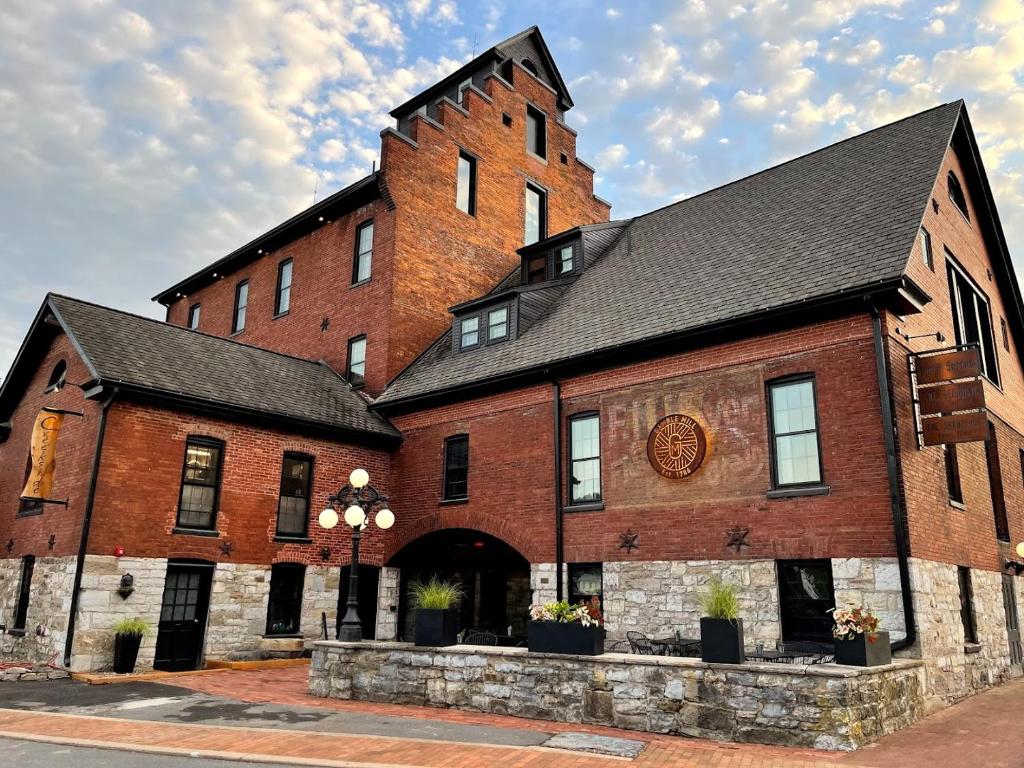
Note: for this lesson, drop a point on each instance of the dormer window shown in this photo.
(551, 264)
(497, 324)
(536, 269)
(956, 194)
(469, 332)
(565, 261)
(488, 323)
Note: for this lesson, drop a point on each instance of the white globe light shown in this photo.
(1020, 549)
(359, 478)
(385, 519)
(355, 516)
(328, 518)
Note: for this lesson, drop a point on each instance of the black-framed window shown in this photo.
(284, 606)
(193, 316)
(564, 261)
(956, 194)
(357, 361)
(362, 264)
(806, 593)
(972, 318)
(283, 297)
(586, 580)
(241, 303)
(497, 324)
(469, 332)
(793, 418)
(926, 249)
(995, 484)
(200, 483)
(954, 489)
(293, 502)
(584, 458)
(28, 507)
(1022, 466)
(58, 377)
(967, 604)
(28, 564)
(535, 224)
(456, 467)
(465, 187)
(536, 132)
(537, 268)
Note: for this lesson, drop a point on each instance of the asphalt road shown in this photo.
(31, 754)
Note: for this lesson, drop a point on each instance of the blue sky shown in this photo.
(141, 140)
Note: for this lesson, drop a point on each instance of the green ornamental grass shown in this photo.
(720, 601)
(133, 627)
(436, 594)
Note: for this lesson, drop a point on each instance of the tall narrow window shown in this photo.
(926, 249)
(465, 192)
(585, 582)
(535, 221)
(953, 487)
(995, 483)
(497, 324)
(956, 194)
(28, 564)
(357, 361)
(284, 608)
(536, 132)
(283, 301)
(585, 458)
(794, 432)
(972, 320)
(967, 604)
(293, 502)
(565, 260)
(200, 483)
(193, 316)
(363, 262)
(806, 593)
(456, 467)
(28, 507)
(469, 332)
(1006, 333)
(241, 302)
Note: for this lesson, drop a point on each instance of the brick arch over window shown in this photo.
(498, 527)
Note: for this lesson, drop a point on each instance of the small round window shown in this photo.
(58, 377)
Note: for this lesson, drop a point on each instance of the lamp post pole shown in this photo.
(358, 498)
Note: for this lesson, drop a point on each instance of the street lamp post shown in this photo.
(358, 498)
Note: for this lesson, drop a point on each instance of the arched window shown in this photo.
(956, 194)
(58, 377)
(530, 67)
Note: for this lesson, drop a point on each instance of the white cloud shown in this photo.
(937, 27)
(908, 69)
(611, 156)
(612, 13)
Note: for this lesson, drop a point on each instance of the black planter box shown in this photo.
(560, 637)
(866, 650)
(721, 641)
(126, 653)
(436, 627)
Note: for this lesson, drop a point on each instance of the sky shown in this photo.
(143, 140)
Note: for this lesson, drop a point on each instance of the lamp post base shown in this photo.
(350, 634)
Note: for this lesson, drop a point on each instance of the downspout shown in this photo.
(899, 518)
(556, 408)
(86, 522)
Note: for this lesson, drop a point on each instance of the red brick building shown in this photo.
(556, 403)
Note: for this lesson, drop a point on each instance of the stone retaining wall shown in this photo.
(11, 673)
(49, 604)
(824, 706)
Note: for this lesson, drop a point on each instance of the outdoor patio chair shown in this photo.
(641, 644)
(478, 637)
(619, 646)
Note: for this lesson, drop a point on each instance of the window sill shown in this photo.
(594, 506)
(33, 513)
(537, 157)
(449, 502)
(282, 539)
(957, 505)
(972, 648)
(361, 283)
(279, 315)
(195, 532)
(236, 333)
(807, 490)
(283, 636)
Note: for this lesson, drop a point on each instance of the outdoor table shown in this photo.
(678, 646)
(778, 657)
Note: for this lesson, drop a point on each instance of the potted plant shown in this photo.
(859, 643)
(721, 629)
(436, 619)
(564, 628)
(128, 634)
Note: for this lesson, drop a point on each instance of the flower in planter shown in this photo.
(853, 621)
(588, 614)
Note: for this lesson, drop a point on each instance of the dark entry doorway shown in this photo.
(494, 577)
(369, 579)
(186, 602)
(1012, 620)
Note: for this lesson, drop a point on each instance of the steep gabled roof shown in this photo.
(840, 221)
(157, 361)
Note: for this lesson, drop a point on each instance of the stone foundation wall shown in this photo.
(48, 609)
(824, 707)
(27, 672)
(319, 596)
(875, 584)
(387, 604)
(238, 610)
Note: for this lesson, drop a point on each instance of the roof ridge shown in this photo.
(959, 102)
(165, 324)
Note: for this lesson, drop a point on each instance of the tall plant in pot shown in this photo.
(565, 628)
(721, 629)
(435, 601)
(859, 643)
(128, 634)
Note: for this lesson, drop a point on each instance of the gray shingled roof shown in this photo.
(138, 352)
(840, 219)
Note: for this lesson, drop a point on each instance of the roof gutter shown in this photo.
(899, 518)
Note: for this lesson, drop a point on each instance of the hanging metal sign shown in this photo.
(952, 396)
(948, 396)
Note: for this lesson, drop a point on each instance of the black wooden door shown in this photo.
(1012, 620)
(179, 640)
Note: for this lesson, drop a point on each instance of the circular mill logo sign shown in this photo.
(676, 446)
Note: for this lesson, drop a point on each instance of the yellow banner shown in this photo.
(44, 455)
